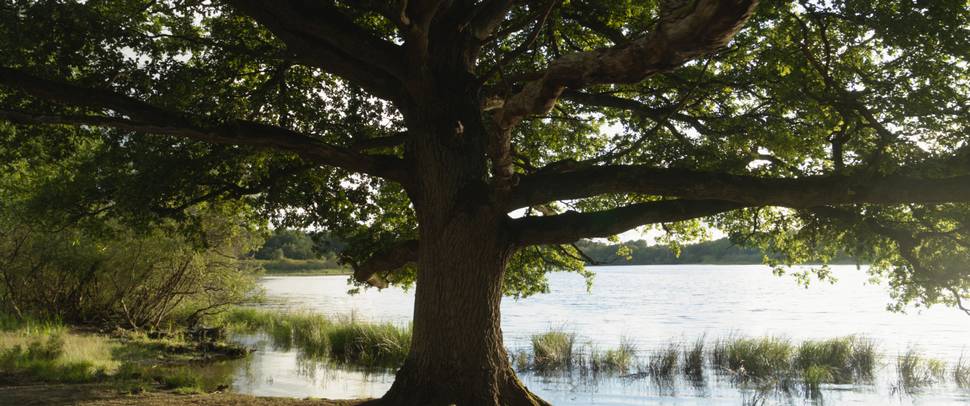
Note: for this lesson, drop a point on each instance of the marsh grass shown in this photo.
(613, 360)
(345, 340)
(369, 345)
(694, 360)
(754, 357)
(663, 363)
(49, 354)
(836, 360)
(961, 373)
(915, 371)
(553, 351)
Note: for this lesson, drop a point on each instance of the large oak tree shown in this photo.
(464, 145)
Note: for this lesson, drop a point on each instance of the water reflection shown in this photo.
(652, 306)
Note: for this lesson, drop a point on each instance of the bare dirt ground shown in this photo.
(101, 395)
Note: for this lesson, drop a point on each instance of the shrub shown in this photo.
(110, 273)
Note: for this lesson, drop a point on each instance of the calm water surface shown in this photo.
(649, 305)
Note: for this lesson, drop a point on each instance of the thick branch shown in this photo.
(380, 142)
(488, 16)
(144, 117)
(321, 36)
(374, 270)
(801, 192)
(571, 226)
(687, 29)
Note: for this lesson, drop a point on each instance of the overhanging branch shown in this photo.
(571, 226)
(321, 36)
(144, 117)
(803, 192)
(375, 269)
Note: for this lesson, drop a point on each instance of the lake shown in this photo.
(650, 306)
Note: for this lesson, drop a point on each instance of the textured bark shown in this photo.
(457, 355)
(801, 192)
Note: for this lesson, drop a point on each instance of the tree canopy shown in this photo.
(460, 143)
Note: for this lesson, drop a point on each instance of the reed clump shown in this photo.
(754, 357)
(618, 360)
(663, 363)
(961, 373)
(694, 360)
(346, 340)
(553, 351)
(843, 359)
(915, 370)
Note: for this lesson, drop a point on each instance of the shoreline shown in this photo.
(106, 395)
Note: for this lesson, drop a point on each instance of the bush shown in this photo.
(111, 274)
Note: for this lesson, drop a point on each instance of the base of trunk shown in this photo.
(412, 390)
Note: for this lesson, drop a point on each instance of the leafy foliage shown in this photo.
(837, 88)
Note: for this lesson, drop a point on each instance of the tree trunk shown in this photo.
(457, 355)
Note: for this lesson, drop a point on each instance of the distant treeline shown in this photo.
(286, 244)
(721, 251)
(296, 244)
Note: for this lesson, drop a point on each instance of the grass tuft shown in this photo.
(754, 357)
(844, 359)
(346, 340)
(694, 360)
(961, 372)
(916, 371)
(614, 360)
(553, 351)
(663, 363)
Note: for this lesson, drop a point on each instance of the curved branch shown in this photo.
(687, 30)
(144, 117)
(321, 36)
(374, 270)
(569, 227)
(488, 16)
(803, 192)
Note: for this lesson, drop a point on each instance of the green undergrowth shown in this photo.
(50, 352)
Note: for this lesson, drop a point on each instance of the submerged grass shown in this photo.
(961, 373)
(618, 360)
(915, 370)
(553, 351)
(345, 340)
(694, 360)
(663, 363)
(836, 360)
(754, 357)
